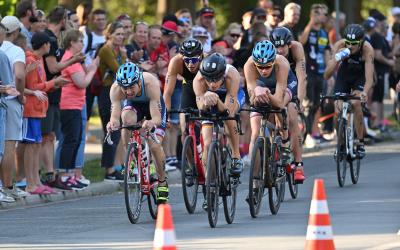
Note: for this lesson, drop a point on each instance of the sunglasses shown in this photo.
(267, 66)
(351, 43)
(192, 60)
(235, 35)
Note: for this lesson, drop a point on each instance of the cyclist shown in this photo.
(136, 97)
(355, 74)
(186, 64)
(269, 79)
(217, 86)
(282, 38)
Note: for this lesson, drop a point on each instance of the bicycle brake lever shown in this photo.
(108, 139)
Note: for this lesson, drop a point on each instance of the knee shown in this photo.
(128, 117)
(48, 138)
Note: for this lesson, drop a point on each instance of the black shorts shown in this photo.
(348, 81)
(51, 123)
(315, 84)
(379, 87)
(188, 98)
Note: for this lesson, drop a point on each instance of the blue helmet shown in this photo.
(264, 52)
(128, 74)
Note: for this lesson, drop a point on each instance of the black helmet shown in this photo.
(281, 36)
(191, 47)
(354, 32)
(213, 67)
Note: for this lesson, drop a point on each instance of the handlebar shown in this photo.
(135, 127)
(343, 97)
(268, 109)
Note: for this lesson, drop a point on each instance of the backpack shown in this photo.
(90, 40)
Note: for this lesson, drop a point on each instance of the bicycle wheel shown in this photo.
(275, 190)
(293, 186)
(341, 154)
(256, 178)
(230, 186)
(212, 184)
(132, 185)
(190, 181)
(152, 202)
(355, 167)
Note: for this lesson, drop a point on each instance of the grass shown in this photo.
(93, 171)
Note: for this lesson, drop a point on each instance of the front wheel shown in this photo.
(275, 191)
(293, 186)
(132, 185)
(152, 202)
(230, 189)
(256, 178)
(212, 184)
(341, 153)
(355, 167)
(190, 181)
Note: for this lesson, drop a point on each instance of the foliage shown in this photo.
(7, 7)
(383, 6)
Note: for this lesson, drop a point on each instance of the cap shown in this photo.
(258, 12)
(395, 11)
(11, 23)
(169, 28)
(38, 39)
(377, 15)
(369, 23)
(198, 31)
(207, 11)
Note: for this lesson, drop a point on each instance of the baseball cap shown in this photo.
(38, 39)
(207, 11)
(198, 31)
(395, 11)
(369, 23)
(169, 28)
(11, 23)
(377, 15)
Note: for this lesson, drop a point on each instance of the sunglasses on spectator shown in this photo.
(351, 43)
(233, 35)
(192, 60)
(267, 66)
(261, 17)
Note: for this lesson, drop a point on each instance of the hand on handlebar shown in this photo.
(112, 126)
(364, 97)
(210, 99)
(261, 95)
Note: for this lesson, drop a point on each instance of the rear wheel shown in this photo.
(355, 167)
(212, 184)
(341, 154)
(256, 178)
(231, 183)
(132, 187)
(275, 190)
(190, 183)
(293, 186)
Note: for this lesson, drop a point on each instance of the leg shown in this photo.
(206, 132)
(7, 164)
(159, 156)
(30, 167)
(20, 175)
(255, 124)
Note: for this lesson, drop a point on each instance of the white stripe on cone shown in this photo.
(164, 238)
(319, 233)
(319, 207)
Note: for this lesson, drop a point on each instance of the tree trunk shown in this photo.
(237, 10)
(352, 9)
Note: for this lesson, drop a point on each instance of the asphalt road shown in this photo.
(363, 216)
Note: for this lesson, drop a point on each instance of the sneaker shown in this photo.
(114, 176)
(162, 194)
(21, 184)
(6, 198)
(299, 175)
(74, 184)
(361, 151)
(237, 166)
(59, 184)
(169, 167)
(84, 181)
(320, 139)
(16, 193)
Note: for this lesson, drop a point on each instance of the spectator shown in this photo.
(137, 48)
(25, 10)
(225, 45)
(258, 15)
(257, 27)
(274, 17)
(16, 57)
(369, 25)
(157, 50)
(35, 108)
(383, 63)
(201, 34)
(246, 17)
(342, 25)
(71, 106)
(265, 4)
(7, 89)
(184, 16)
(83, 11)
(315, 41)
(39, 22)
(206, 20)
(396, 19)
(53, 66)
(72, 20)
(126, 21)
(291, 19)
(111, 57)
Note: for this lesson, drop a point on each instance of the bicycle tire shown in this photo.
(293, 186)
(256, 178)
(212, 184)
(355, 170)
(152, 202)
(132, 185)
(341, 154)
(275, 190)
(229, 199)
(188, 170)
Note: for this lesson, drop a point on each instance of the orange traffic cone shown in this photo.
(319, 230)
(164, 236)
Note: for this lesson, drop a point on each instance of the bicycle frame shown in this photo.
(348, 118)
(197, 160)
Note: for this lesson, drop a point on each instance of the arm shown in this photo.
(115, 104)
(303, 38)
(19, 72)
(251, 75)
(232, 91)
(153, 92)
(81, 78)
(199, 91)
(277, 99)
(332, 63)
(108, 58)
(369, 67)
(382, 59)
(300, 71)
(170, 82)
(55, 67)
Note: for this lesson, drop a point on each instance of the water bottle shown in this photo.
(342, 54)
